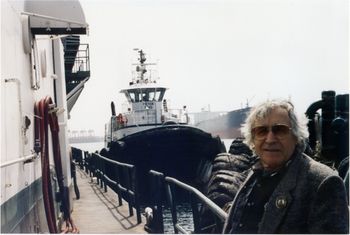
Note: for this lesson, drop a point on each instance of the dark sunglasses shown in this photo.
(280, 131)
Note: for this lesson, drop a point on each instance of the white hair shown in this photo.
(298, 124)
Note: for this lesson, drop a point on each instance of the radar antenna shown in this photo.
(141, 66)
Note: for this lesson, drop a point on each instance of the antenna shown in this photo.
(141, 68)
(250, 100)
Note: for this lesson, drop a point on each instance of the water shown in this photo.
(90, 147)
(184, 218)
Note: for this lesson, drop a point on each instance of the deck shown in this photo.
(98, 212)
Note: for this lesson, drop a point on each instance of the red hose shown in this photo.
(42, 118)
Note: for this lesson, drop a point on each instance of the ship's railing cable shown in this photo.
(120, 177)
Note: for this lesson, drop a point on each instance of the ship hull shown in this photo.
(25, 212)
(226, 126)
(178, 151)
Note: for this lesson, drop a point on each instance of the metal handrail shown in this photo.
(212, 206)
(157, 185)
(81, 60)
(113, 161)
(130, 189)
(95, 166)
(221, 214)
(25, 159)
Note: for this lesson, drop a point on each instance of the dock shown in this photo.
(98, 212)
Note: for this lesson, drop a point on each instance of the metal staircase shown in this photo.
(77, 67)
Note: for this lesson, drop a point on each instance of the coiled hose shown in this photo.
(44, 116)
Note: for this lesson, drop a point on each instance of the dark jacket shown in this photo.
(310, 198)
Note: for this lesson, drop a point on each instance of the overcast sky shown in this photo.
(217, 53)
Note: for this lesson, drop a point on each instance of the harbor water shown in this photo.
(184, 217)
(90, 147)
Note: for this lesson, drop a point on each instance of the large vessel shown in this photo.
(226, 125)
(43, 70)
(150, 135)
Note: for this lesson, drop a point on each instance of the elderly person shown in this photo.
(285, 191)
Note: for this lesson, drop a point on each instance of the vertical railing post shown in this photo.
(126, 179)
(104, 173)
(92, 165)
(195, 213)
(86, 163)
(81, 159)
(172, 206)
(117, 188)
(101, 171)
(136, 194)
(159, 204)
(81, 162)
(98, 170)
(157, 189)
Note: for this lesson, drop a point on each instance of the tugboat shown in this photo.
(152, 136)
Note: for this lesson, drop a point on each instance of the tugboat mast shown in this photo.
(142, 68)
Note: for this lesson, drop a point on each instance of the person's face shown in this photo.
(274, 145)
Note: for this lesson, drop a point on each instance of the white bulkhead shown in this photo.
(32, 67)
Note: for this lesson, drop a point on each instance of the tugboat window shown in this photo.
(132, 96)
(160, 92)
(151, 94)
(145, 96)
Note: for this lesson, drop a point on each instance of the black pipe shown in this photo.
(342, 106)
(310, 114)
(328, 114)
(327, 105)
(340, 126)
(113, 108)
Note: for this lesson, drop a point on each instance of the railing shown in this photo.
(196, 198)
(157, 185)
(79, 157)
(26, 159)
(177, 115)
(81, 61)
(124, 183)
(120, 177)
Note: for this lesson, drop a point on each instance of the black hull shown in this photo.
(183, 152)
(226, 126)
